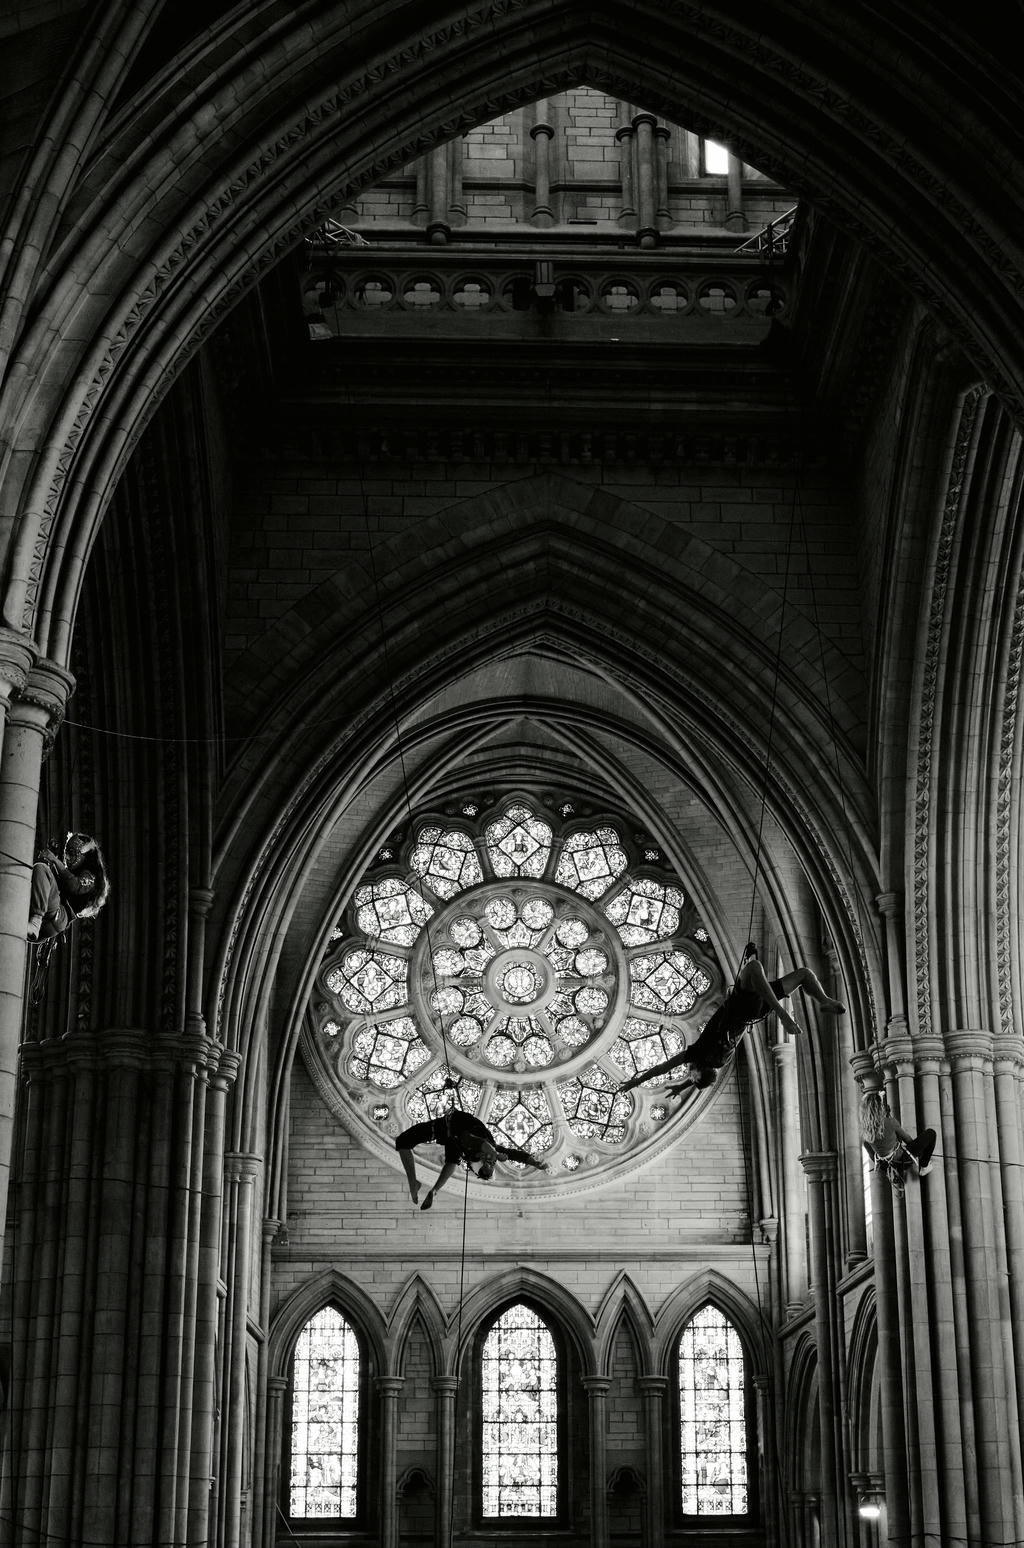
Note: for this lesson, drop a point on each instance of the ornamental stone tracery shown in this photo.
(532, 958)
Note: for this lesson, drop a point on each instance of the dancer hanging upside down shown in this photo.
(752, 997)
(890, 1145)
(464, 1138)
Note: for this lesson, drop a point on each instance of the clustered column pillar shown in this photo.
(33, 695)
(111, 1285)
(980, 1289)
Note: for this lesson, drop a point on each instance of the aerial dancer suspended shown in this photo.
(752, 998)
(65, 887)
(889, 1145)
(465, 1139)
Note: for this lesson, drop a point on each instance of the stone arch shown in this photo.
(800, 1448)
(795, 114)
(865, 1389)
(516, 1284)
(701, 1289)
(416, 1306)
(622, 1305)
(327, 1289)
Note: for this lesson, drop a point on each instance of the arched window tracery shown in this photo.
(325, 1421)
(715, 1431)
(519, 1418)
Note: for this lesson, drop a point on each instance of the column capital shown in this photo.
(43, 698)
(537, 129)
(644, 118)
(596, 1386)
(277, 1384)
(241, 1166)
(653, 1386)
(820, 1165)
(201, 900)
(17, 657)
(1008, 1049)
(865, 1070)
(625, 132)
(662, 132)
(969, 1043)
(889, 904)
(444, 1386)
(389, 1386)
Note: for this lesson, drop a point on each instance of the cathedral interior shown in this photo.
(503, 503)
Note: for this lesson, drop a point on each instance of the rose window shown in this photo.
(523, 962)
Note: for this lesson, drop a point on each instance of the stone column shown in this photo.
(982, 1293)
(388, 1388)
(848, 1100)
(627, 196)
(793, 1187)
(647, 231)
(735, 220)
(108, 1279)
(456, 202)
(421, 205)
(542, 134)
(821, 1171)
(596, 1388)
(438, 226)
(277, 1387)
(662, 213)
(890, 1361)
(33, 695)
(240, 1172)
(203, 1492)
(1009, 1101)
(445, 1388)
(653, 1389)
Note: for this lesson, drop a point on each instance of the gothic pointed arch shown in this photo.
(524, 1284)
(416, 1306)
(328, 1288)
(707, 1287)
(622, 1306)
(786, 111)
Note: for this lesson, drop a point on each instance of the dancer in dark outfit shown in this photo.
(66, 887)
(464, 1138)
(890, 1145)
(753, 997)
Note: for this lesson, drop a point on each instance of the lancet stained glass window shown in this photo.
(713, 1417)
(519, 1413)
(325, 1420)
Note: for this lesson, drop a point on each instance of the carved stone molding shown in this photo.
(923, 877)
